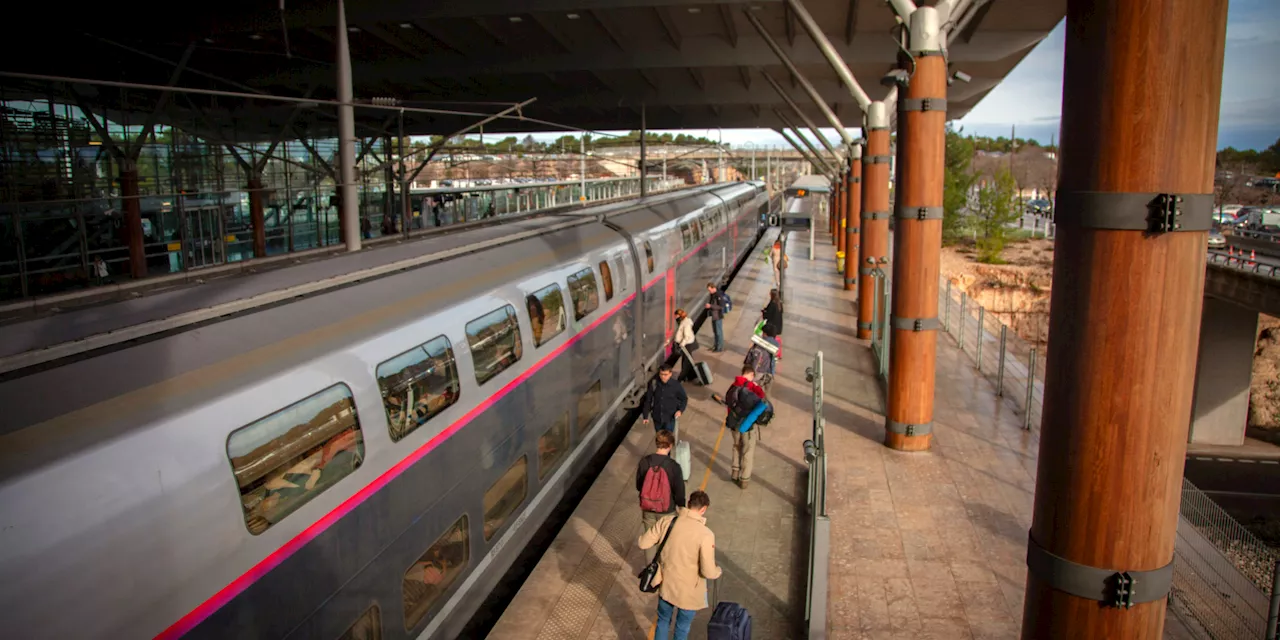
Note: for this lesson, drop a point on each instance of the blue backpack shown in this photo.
(725, 302)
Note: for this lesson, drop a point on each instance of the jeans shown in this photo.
(664, 426)
(717, 327)
(684, 620)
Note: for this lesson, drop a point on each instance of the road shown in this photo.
(1245, 487)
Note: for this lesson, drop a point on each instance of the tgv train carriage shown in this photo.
(362, 462)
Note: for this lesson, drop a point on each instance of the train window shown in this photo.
(553, 445)
(582, 288)
(648, 254)
(432, 574)
(606, 279)
(546, 312)
(367, 627)
(495, 342)
(686, 236)
(418, 384)
(284, 460)
(505, 496)
(622, 275)
(588, 408)
(696, 227)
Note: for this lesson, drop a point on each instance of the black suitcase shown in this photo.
(729, 621)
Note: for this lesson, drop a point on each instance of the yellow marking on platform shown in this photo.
(706, 476)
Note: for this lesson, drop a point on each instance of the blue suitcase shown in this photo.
(729, 622)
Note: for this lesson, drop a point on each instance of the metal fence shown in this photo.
(815, 454)
(1242, 262)
(881, 304)
(1014, 364)
(1222, 573)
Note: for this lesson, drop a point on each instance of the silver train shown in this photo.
(359, 464)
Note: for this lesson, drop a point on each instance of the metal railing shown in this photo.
(1222, 573)
(815, 454)
(1241, 262)
(1012, 363)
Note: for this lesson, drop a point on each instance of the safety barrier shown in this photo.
(1241, 262)
(815, 454)
(1222, 573)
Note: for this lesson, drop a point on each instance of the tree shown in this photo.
(994, 208)
(958, 181)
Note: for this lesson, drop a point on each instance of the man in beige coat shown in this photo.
(687, 561)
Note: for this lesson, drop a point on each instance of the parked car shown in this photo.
(1257, 222)
(1039, 205)
(1216, 239)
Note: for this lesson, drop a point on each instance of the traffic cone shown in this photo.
(1253, 256)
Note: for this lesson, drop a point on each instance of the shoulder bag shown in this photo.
(650, 573)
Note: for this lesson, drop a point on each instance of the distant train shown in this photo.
(363, 463)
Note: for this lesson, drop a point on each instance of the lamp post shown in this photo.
(752, 147)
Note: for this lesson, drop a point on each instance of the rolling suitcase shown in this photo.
(729, 621)
(682, 455)
(702, 369)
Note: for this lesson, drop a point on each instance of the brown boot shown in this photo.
(742, 482)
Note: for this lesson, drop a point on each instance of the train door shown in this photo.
(669, 324)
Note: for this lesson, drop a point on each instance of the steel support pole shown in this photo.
(808, 87)
(819, 162)
(347, 196)
(257, 218)
(875, 210)
(1004, 338)
(853, 218)
(918, 241)
(836, 203)
(804, 117)
(829, 52)
(644, 155)
(1125, 307)
(130, 198)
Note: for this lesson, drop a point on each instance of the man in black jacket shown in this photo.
(664, 401)
(660, 462)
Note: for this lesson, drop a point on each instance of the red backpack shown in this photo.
(655, 495)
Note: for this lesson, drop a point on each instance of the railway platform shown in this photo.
(923, 545)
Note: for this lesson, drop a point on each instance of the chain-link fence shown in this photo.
(1222, 574)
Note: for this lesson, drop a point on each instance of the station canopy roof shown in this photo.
(589, 63)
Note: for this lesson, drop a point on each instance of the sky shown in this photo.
(1030, 97)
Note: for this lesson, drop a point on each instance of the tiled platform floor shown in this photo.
(924, 545)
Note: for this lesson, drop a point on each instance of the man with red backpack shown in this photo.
(660, 483)
(742, 398)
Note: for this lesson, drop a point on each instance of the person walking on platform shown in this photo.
(772, 315)
(775, 261)
(715, 309)
(664, 401)
(660, 483)
(761, 361)
(685, 338)
(687, 561)
(741, 399)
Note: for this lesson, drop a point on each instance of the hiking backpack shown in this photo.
(655, 495)
(757, 359)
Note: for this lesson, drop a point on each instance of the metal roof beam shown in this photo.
(804, 82)
(673, 33)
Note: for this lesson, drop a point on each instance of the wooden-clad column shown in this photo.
(1142, 83)
(917, 241)
(132, 202)
(853, 214)
(257, 219)
(842, 200)
(833, 209)
(875, 212)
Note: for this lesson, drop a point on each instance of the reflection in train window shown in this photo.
(367, 627)
(553, 445)
(588, 408)
(648, 253)
(686, 236)
(291, 456)
(606, 279)
(582, 288)
(696, 227)
(428, 578)
(622, 275)
(505, 496)
(418, 384)
(546, 312)
(495, 342)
